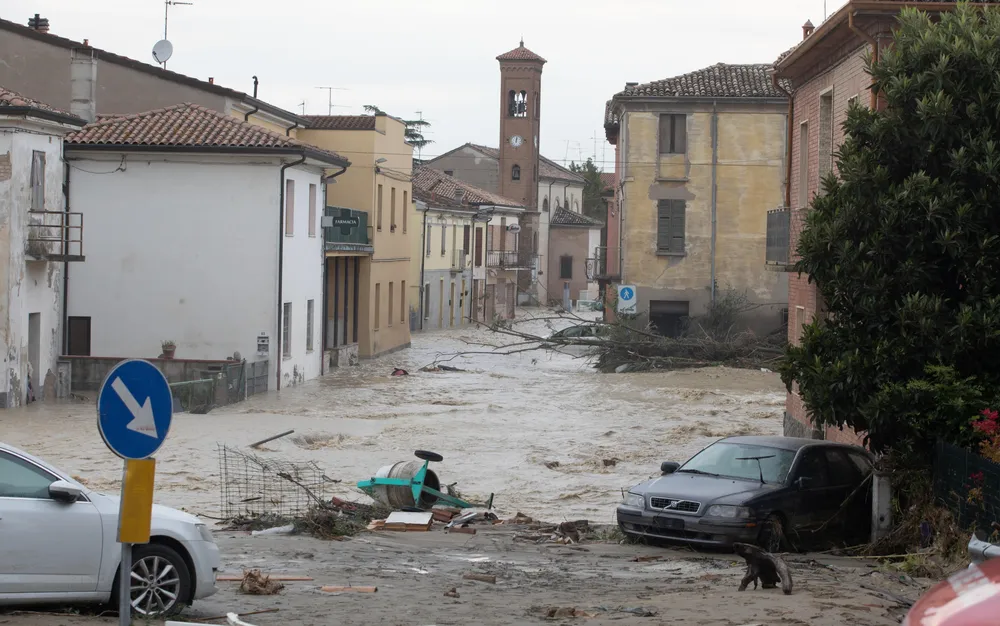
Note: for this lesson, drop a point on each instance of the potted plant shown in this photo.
(168, 346)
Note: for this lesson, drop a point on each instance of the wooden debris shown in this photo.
(236, 579)
(483, 578)
(648, 557)
(568, 611)
(464, 530)
(452, 593)
(336, 589)
(257, 584)
(766, 567)
(278, 436)
(610, 462)
(442, 516)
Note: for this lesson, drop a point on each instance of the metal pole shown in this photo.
(125, 573)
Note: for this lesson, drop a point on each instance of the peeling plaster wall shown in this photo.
(749, 177)
(27, 286)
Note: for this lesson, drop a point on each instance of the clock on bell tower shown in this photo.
(520, 115)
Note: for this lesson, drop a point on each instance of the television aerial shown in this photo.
(162, 51)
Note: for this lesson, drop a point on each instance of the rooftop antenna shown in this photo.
(329, 97)
(166, 15)
(303, 105)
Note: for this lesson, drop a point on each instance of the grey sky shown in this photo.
(437, 56)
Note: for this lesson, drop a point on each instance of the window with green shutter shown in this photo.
(670, 226)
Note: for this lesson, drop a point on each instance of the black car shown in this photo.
(772, 491)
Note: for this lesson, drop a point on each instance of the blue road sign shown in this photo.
(134, 409)
(626, 300)
(626, 293)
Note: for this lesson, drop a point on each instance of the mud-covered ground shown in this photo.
(413, 571)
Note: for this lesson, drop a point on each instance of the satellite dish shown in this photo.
(162, 51)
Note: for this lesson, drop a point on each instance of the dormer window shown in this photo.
(515, 172)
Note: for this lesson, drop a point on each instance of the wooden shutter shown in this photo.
(670, 218)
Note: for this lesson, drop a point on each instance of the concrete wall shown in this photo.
(88, 373)
(185, 247)
(28, 286)
(445, 309)
(471, 166)
(575, 242)
(749, 179)
(449, 306)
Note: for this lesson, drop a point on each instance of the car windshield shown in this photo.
(735, 460)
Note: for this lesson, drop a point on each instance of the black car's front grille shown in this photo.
(670, 504)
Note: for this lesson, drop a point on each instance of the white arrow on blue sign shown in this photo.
(134, 409)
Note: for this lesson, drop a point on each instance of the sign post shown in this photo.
(134, 411)
(627, 302)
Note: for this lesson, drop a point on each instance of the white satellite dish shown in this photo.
(162, 51)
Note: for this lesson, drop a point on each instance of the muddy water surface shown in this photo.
(535, 427)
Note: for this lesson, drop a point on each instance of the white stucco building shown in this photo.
(35, 245)
(204, 230)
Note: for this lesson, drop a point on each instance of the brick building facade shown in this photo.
(826, 71)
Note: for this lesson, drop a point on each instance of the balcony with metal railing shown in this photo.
(459, 260)
(347, 230)
(777, 255)
(605, 264)
(510, 259)
(55, 236)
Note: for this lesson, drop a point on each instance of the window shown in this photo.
(800, 321)
(537, 112)
(731, 461)
(803, 165)
(825, 133)
(813, 467)
(479, 247)
(466, 233)
(534, 242)
(310, 305)
(576, 206)
(312, 210)
(378, 304)
(286, 331)
(37, 180)
(517, 103)
(402, 302)
(565, 267)
(22, 479)
(79, 336)
(670, 226)
(444, 238)
(515, 172)
(427, 301)
(406, 208)
(673, 134)
(289, 208)
(389, 310)
(842, 471)
(428, 238)
(392, 209)
(378, 217)
(545, 205)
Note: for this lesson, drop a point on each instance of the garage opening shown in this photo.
(669, 317)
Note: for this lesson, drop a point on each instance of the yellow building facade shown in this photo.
(369, 228)
(700, 158)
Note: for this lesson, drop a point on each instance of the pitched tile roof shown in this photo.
(520, 53)
(441, 190)
(547, 168)
(191, 126)
(564, 217)
(341, 122)
(10, 100)
(721, 80)
(609, 180)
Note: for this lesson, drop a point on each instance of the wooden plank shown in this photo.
(335, 589)
(235, 579)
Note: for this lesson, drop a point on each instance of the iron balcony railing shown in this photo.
(510, 259)
(604, 264)
(55, 236)
(459, 260)
(346, 230)
(778, 228)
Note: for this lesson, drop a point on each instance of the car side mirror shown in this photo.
(669, 467)
(803, 482)
(64, 492)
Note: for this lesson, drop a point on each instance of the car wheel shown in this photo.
(160, 584)
(772, 534)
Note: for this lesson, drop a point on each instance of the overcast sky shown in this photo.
(438, 56)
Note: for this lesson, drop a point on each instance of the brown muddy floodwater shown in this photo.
(497, 424)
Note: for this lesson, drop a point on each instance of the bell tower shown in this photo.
(520, 116)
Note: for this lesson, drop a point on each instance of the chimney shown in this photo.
(459, 193)
(631, 84)
(807, 29)
(39, 23)
(83, 83)
(211, 80)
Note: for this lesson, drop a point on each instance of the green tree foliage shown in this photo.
(593, 204)
(905, 246)
(414, 128)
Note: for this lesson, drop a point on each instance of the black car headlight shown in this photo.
(727, 511)
(635, 500)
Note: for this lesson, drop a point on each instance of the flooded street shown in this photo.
(535, 427)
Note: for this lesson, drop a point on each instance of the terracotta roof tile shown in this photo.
(341, 122)
(188, 126)
(547, 168)
(721, 80)
(609, 180)
(441, 190)
(564, 217)
(11, 99)
(520, 53)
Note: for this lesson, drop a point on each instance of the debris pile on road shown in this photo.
(338, 518)
(257, 584)
(566, 533)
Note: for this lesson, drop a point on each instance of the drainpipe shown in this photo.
(423, 257)
(255, 109)
(65, 293)
(788, 138)
(874, 44)
(281, 262)
(715, 166)
(288, 131)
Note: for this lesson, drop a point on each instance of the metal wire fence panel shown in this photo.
(968, 485)
(256, 377)
(252, 486)
(193, 395)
